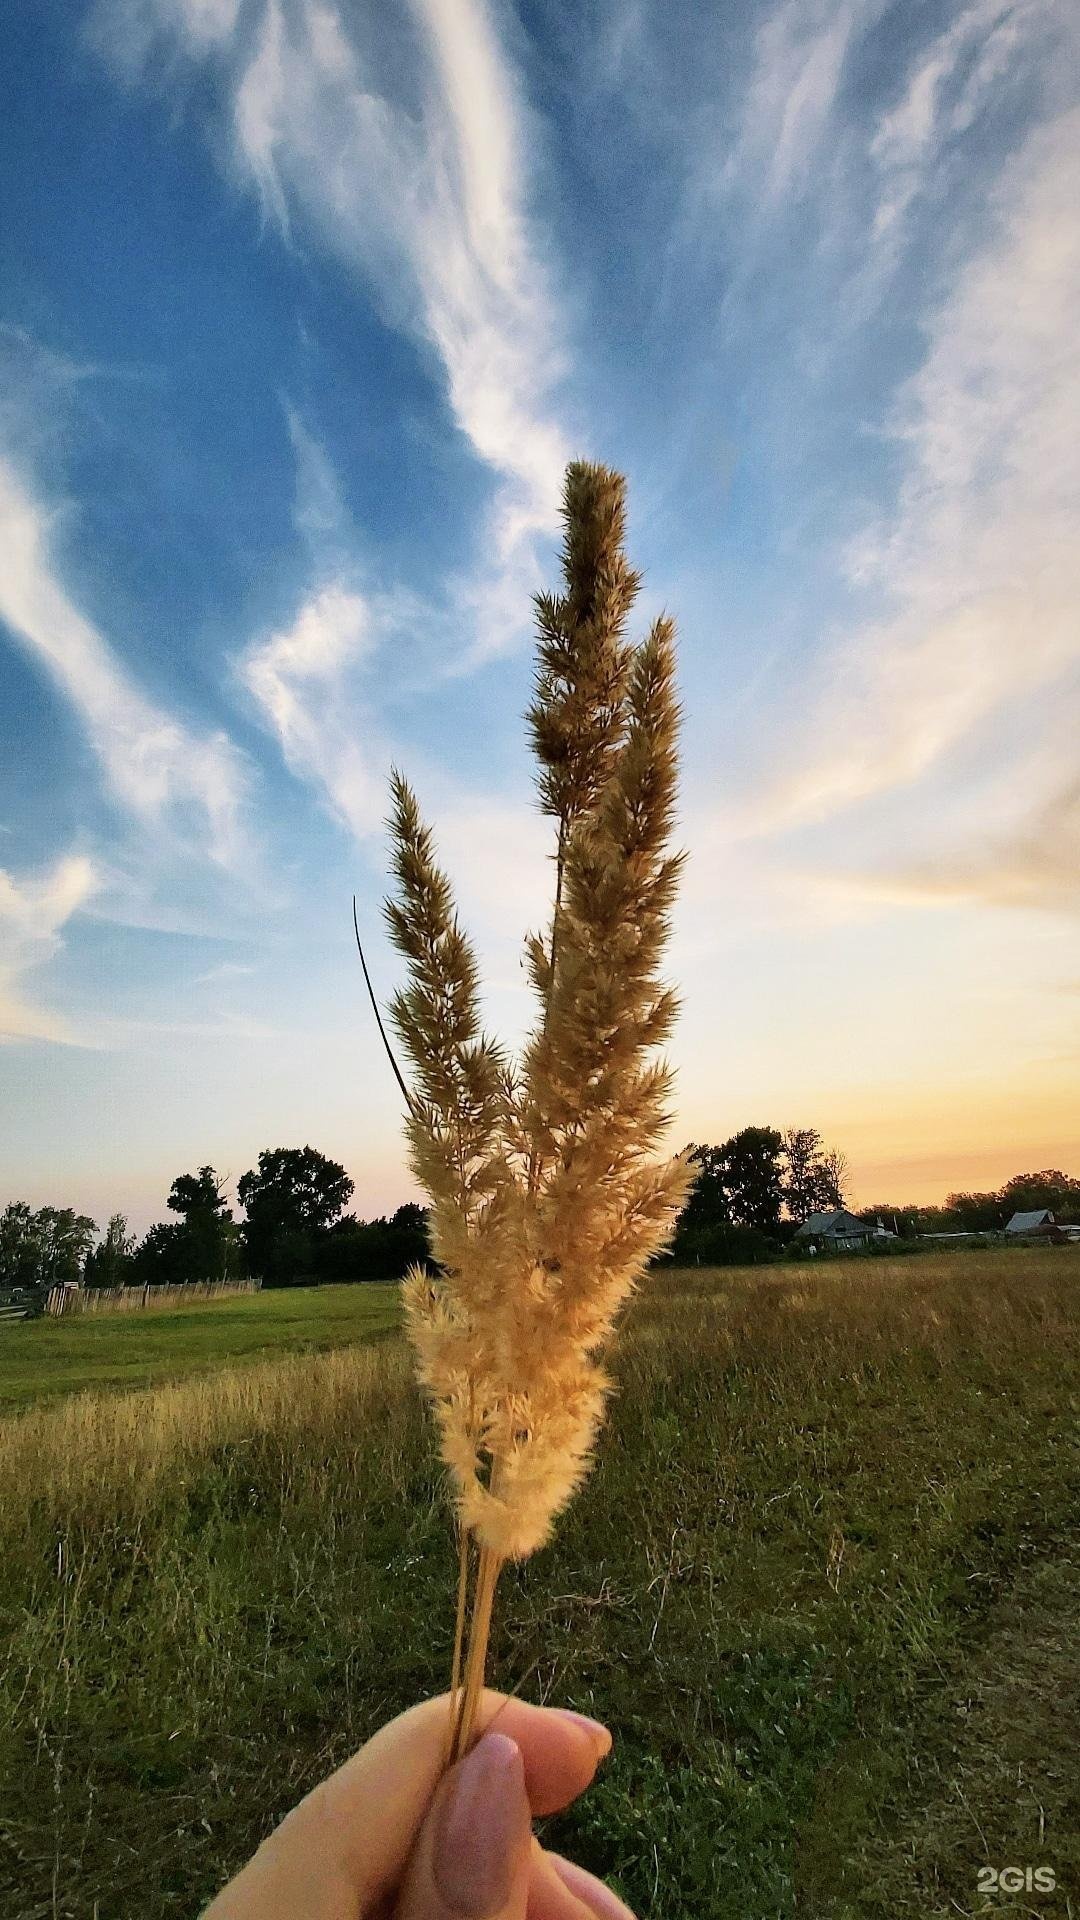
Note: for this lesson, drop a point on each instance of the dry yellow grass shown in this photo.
(115, 1451)
(547, 1196)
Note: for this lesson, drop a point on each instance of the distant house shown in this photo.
(840, 1230)
(1040, 1220)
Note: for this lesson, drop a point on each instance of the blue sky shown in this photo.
(304, 306)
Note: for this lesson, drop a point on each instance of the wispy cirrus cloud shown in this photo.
(982, 553)
(131, 29)
(911, 759)
(1035, 864)
(303, 679)
(424, 196)
(969, 72)
(977, 570)
(186, 784)
(33, 914)
(790, 98)
(801, 145)
(310, 679)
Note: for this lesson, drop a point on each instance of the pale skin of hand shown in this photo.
(391, 1837)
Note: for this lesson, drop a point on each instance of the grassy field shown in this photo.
(822, 1585)
(44, 1359)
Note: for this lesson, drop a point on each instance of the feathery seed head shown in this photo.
(546, 1202)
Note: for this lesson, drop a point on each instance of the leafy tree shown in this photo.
(753, 1182)
(1050, 1188)
(196, 1194)
(18, 1246)
(990, 1212)
(202, 1245)
(210, 1237)
(109, 1263)
(708, 1204)
(163, 1257)
(374, 1249)
(836, 1177)
(967, 1213)
(802, 1161)
(814, 1179)
(65, 1239)
(39, 1250)
(739, 1192)
(290, 1202)
(411, 1218)
(904, 1221)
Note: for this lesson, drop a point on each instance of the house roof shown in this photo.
(837, 1223)
(1027, 1222)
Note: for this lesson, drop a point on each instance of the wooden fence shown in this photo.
(68, 1299)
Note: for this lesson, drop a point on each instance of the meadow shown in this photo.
(822, 1584)
(47, 1358)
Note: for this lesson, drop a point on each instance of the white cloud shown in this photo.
(981, 561)
(183, 783)
(33, 914)
(967, 72)
(790, 96)
(310, 679)
(127, 31)
(319, 513)
(1018, 843)
(425, 198)
(909, 127)
(799, 148)
(301, 680)
(225, 970)
(35, 384)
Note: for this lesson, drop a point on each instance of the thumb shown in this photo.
(472, 1855)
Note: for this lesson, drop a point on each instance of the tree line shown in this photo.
(752, 1192)
(295, 1232)
(986, 1212)
(755, 1190)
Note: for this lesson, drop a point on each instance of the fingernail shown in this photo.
(595, 1729)
(484, 1824)
(589, 1890)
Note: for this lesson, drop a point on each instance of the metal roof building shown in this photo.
(1039, 1220)
(839, 1227)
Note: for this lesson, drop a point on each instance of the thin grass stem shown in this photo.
(464, 1559)
(476, 1661)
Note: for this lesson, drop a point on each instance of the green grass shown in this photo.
(988, 1774)
(47, 1358)
(818, 1499)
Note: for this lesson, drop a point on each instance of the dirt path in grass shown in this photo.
(990, 1779)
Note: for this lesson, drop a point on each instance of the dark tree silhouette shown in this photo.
(290, 1200)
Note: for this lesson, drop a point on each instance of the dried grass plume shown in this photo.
(547, 1196)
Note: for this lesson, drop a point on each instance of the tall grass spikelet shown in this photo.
(547, 1198)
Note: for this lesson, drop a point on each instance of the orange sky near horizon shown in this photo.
(925, 1180)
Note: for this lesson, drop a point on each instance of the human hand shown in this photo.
(389, 1837)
